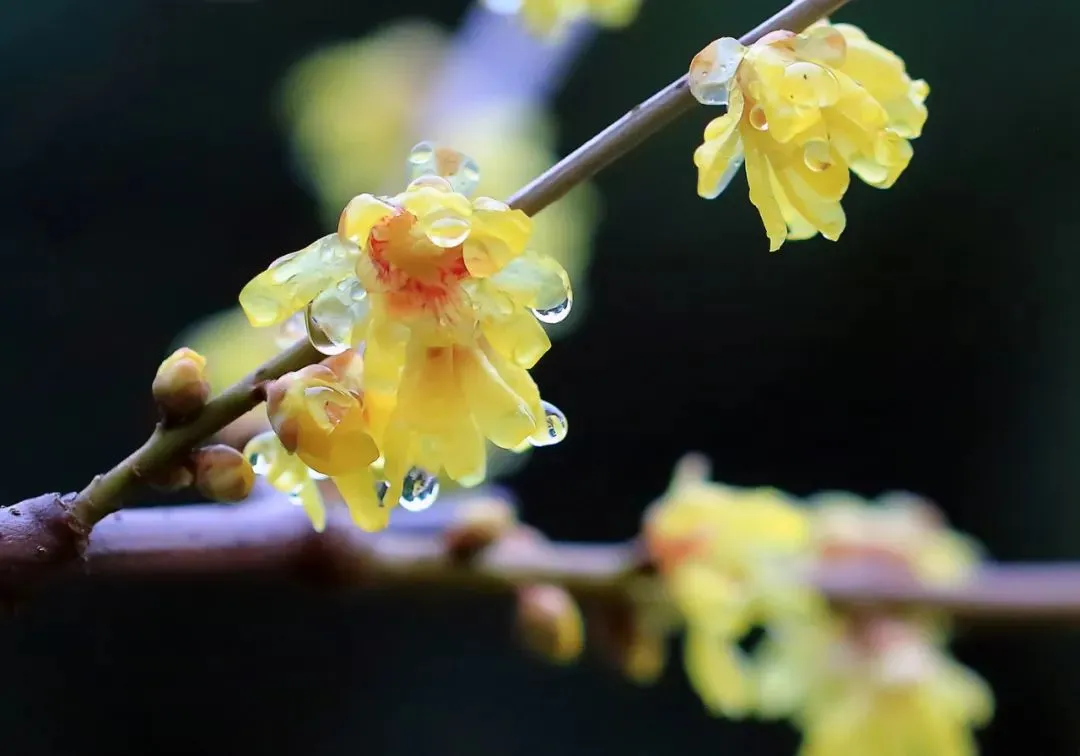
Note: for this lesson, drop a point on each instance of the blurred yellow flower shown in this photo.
(442, 293)
(724, 554)
(803, 109)
(548, 17)
(874, 682)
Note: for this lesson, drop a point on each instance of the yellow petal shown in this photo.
(503, 415)
(519, 337)
(498, 235)
(360, 216)
(717, 671)
(357, 489)
(761, 195)
(295, 279)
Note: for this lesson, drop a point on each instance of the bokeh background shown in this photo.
(148, 174)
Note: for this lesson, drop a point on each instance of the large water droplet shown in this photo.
(816, 155)
(557, 312)
(332, 317)
(420, 490)
(260, 464)
(420, 158)
(447, 231)
(290, 331)
(712, 71)
(758, 119)
(428, 159)
(432, 181)
(554, 429)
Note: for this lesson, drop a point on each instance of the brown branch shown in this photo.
(269, 535)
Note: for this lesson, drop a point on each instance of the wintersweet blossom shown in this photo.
(353, 108)
(722, 552)
(443, 294)
(548, 17)
(867, 681)
(803, 109)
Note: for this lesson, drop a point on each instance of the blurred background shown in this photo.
(158, 154)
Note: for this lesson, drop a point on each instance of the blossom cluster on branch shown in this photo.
(413, 328)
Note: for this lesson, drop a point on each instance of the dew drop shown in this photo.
(381, 487)
(555, 426)
(323, 342)
(758, 119)
(295, 497)
(447, 231)
(420, 489)
(432, 181)
(816, 155)
(712, 71)
(290, 331)
(421, 155)
(259, 463)
(728, 175)
(467, 177)
(559, 311)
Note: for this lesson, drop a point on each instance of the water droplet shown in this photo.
(758, 119)
(467, 177)
(259, 463)
(381, 487)
(432, 181)
(295, 497)
(421, 156)
(816, 155)
(554, 429)
(555, 314)
(712, 71)
(290, 331)
(447, 231)
(331, 318)
(420, 490)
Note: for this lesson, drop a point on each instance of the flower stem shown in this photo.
(108, 492)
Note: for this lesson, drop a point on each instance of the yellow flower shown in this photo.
(872, 682)
(803, 109)
(317, 418)
(549, 17)
(354, 107)
(723, 552)
(446, 300)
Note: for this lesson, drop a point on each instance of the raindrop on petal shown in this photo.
(420, 489)
(554, 427)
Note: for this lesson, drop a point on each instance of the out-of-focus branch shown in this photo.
(269, 535)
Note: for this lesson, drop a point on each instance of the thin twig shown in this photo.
(269, 535)
(108, 492)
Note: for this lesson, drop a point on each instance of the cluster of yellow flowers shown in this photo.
(803, 109)
(550, 17)
(855, 682)
(442, 295)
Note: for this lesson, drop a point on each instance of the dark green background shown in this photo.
(145, 178)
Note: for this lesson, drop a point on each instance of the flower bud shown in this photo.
(549, 623)
(477, 524)
(222, 473)
(180, 387)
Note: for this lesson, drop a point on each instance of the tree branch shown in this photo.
(269, 535)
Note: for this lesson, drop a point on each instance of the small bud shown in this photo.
(222, 473)
(477, 524)
(619, 633)
(180, 387)
(549, 623)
